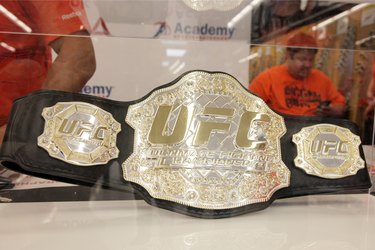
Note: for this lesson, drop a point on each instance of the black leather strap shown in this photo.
(20, 152)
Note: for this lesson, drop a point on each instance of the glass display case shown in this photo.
(176, 124)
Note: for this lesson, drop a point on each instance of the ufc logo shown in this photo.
(82, 129)
(204, 129)
(324, 147)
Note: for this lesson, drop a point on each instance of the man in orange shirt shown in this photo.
(295, 88)
(27, 33)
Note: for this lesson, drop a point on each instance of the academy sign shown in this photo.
(195, 32)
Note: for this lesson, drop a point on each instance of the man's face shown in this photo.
(300, 63)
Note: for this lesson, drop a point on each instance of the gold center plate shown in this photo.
(328, 151)
(79, 133)
(206, 142)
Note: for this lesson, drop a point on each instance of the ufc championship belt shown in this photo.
(202, 146)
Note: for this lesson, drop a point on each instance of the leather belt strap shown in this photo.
(201, 145)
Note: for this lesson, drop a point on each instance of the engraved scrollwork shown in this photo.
(172, 182)
(213, 195)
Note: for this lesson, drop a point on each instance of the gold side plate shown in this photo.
(206, 142)
(328, 151)
(79, 133)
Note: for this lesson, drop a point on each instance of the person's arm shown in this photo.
(368, 113)
(336, 106)
(332, 110)
(370, 90)
(74, 65)
(2, 132)
(371, 100)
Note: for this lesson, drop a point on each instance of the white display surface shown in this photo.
(311, 222)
